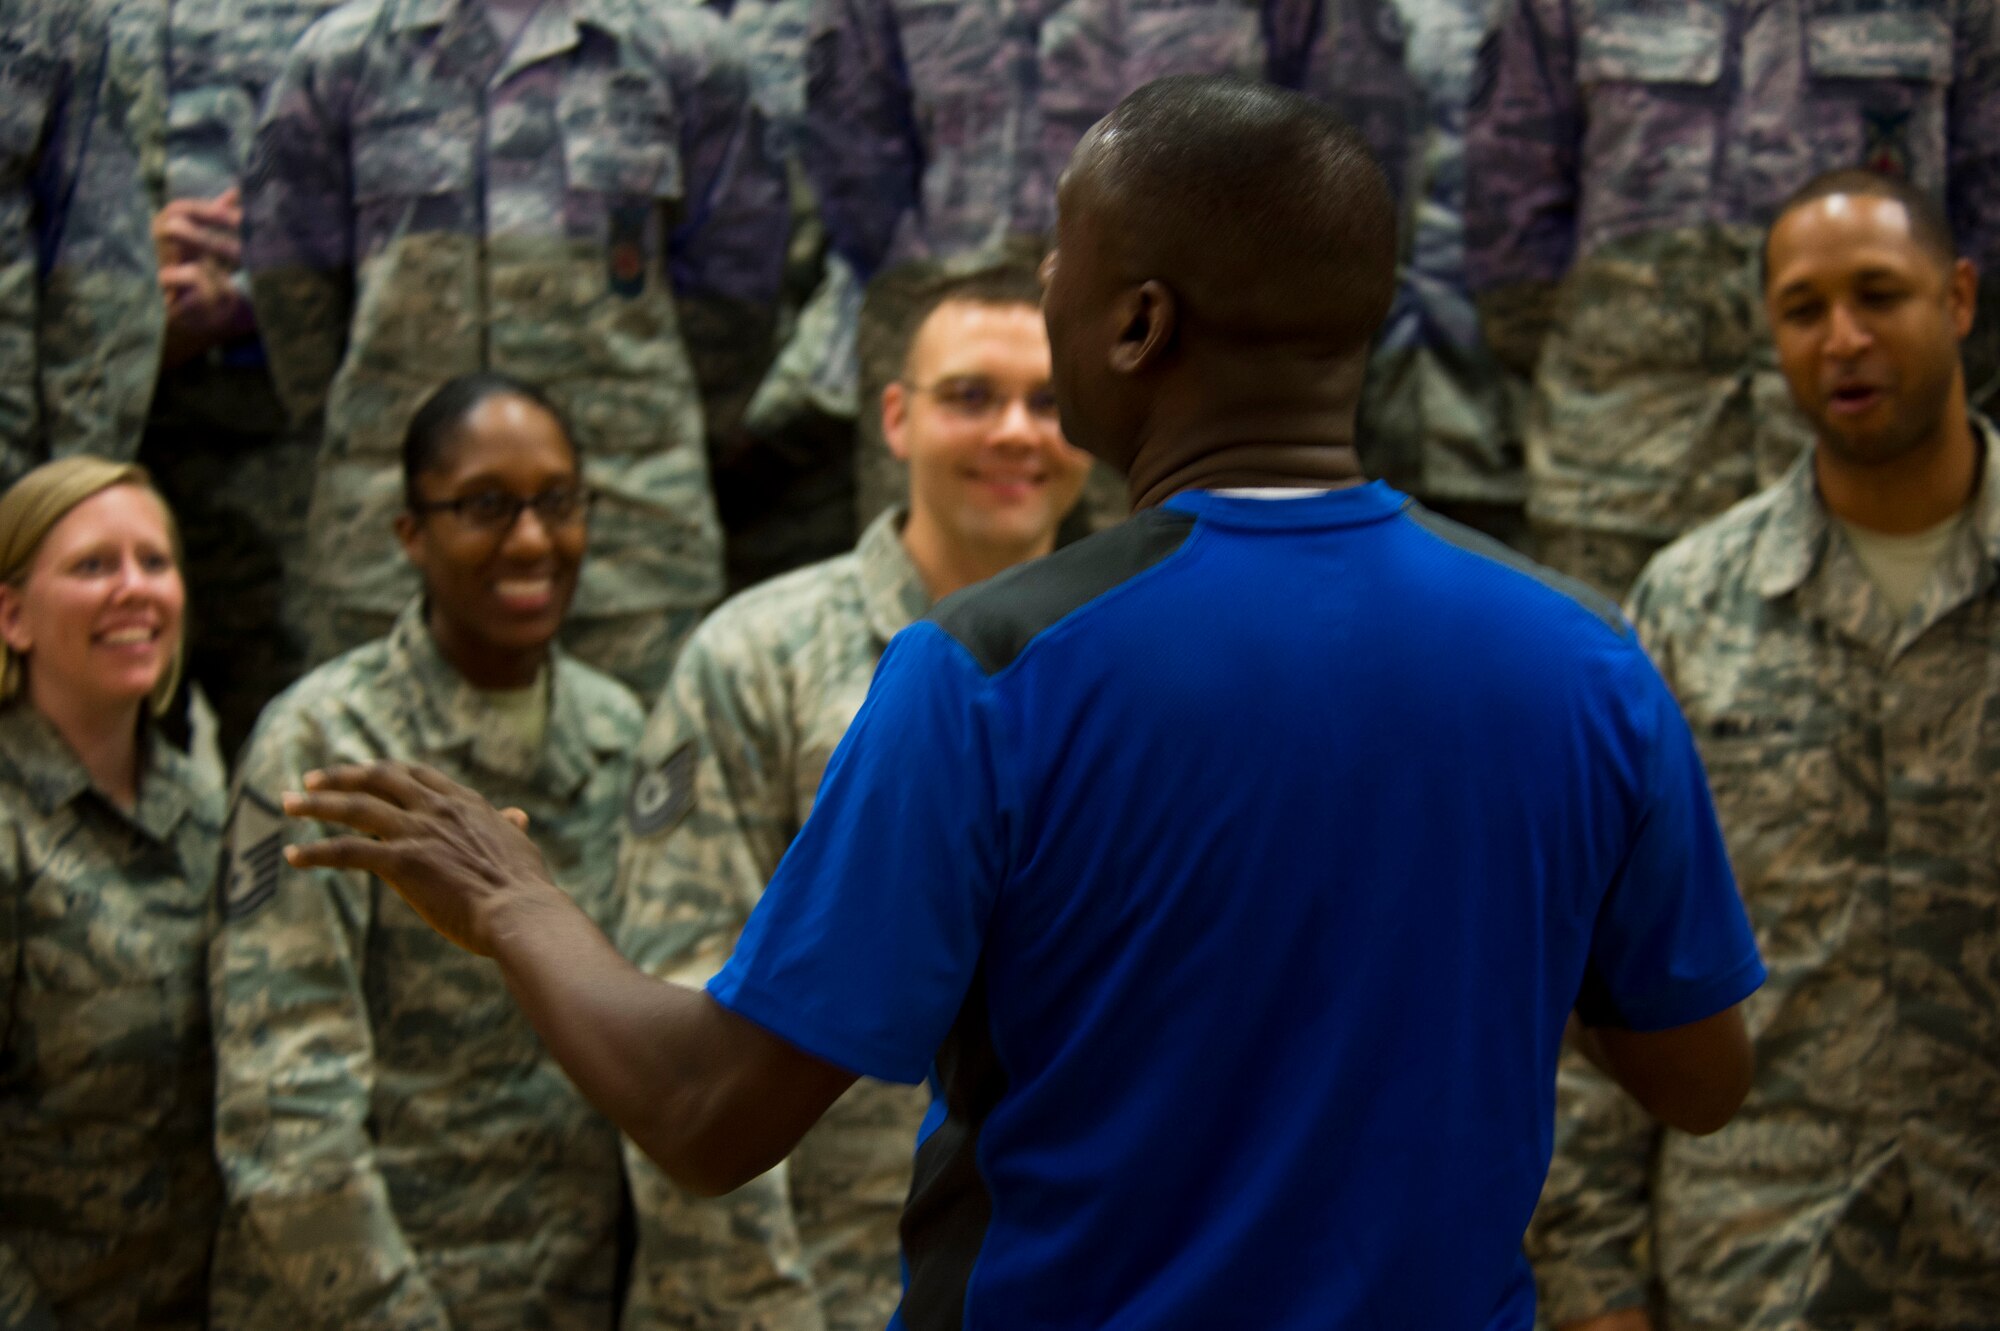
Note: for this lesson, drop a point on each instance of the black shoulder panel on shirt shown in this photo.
(1479, 543)
(995, 620)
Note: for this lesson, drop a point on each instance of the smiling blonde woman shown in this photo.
(108, 842)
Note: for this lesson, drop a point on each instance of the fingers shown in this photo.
(518, 817)
(397, 783)
(344, 852)
(368, 814)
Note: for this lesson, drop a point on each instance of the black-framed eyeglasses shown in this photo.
(497, 511)
(972, 397)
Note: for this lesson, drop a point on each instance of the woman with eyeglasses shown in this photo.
(398, 1149)
(108, 839)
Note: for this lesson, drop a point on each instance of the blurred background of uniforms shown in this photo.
(589, 207)
(81, 111)
(1623, 157)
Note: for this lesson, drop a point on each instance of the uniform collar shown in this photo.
(37, 758)
(1794, 539)
(554, 28)
(893, 594)
(447, 716)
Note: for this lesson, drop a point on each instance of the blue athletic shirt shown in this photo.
(1233, 873)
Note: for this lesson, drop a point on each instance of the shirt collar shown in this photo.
(554, 26)
(35, 755)
(893, 594)
(447, 715)
(1794, 537)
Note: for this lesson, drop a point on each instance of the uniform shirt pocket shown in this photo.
(1904, 40)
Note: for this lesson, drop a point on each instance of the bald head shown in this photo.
(1263, 210)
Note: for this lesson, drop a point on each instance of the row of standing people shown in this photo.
(599, 197)
(391, 1146)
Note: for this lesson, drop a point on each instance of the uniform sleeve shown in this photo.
(102, 317)
(862, 148)
(294, 1078)
(1585, 1239)
(32, 80)
(1972, 175)
(727, 253)
(865, 943)
(709, 817)
(1672, 943)
(298, 237)
(22, 1307)
(1524, 128)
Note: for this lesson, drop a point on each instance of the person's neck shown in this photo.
(103, 735)
(484, 666)
(1915, 492)
(1235, 430)
(947, 565)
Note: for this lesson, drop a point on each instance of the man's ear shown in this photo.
(895, 420)
(1965, 297)
(13, 625)
(1148, 316)
(411, 537)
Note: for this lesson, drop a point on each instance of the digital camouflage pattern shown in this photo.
(217, 444)
(591, 211)
(1438, 414)
(108, 1191)
(399, 1149)
(1624, 157)
(728, 770)
(1855, 760)
(81, 110)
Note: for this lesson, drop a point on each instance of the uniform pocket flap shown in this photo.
(408, 155)
(1892, 45)
(1640, 48)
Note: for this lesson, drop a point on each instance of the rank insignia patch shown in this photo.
(1887, 149)
(662, 795)
(625, 259)
(255, 839)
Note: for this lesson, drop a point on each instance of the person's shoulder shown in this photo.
(342, 32)
(996, 620)
(609, 712)
(768, 623)
(1524, 576)
(1707, 565)
(320, 718)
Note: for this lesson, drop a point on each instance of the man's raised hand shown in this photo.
(468, 869)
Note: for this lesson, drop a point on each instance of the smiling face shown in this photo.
(974, 416)
(97, 619)
(497, 594)
(1867, 323)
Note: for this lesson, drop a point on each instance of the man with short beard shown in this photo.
(1832, 642)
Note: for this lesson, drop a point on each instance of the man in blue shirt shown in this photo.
(1233, 873)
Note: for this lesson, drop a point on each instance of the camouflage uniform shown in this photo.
(108, 1191)
(400, 1150)
(80, 308)
(732, 756)
(237, 480)
(590, 210)
(1855, 760)
(1624, 157)
(1438, 413)
(938, 130)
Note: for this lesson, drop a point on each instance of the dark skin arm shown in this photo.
(1691, 1077)
(712, 1098)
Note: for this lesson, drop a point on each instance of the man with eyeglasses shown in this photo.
(736, 746)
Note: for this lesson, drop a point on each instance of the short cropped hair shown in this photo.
(1268, 199)
(33, 506)
(443, 414)
(1928, 226)
(901, 299)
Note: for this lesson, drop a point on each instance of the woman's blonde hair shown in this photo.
(33, 506)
